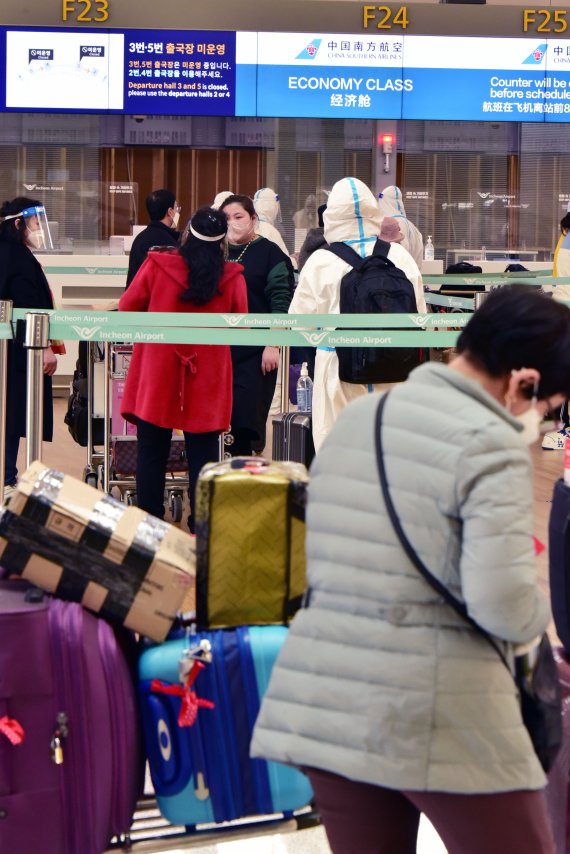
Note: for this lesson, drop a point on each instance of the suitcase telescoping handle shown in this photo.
(285, 360)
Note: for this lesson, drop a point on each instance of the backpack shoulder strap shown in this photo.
(345, 253)
(381, 249)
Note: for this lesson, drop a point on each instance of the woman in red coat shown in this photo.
(182, 386)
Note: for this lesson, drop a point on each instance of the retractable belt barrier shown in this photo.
(439, 330)
(373, 330)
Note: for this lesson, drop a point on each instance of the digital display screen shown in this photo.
(313, 75)
(151, 72)
(328, 76)
(558, 80)
(475, 79)
(61, 70)
(176, 72)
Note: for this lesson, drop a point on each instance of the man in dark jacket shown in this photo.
(164, 213)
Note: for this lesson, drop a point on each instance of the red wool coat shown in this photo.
(183, 386)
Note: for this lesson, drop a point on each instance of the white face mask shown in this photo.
(531, 421)
(240, 230)
(35, 239)
(175, 219)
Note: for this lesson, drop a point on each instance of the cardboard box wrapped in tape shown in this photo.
(85, 546)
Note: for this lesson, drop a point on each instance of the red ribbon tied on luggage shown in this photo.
(12, 729)
(190, 701)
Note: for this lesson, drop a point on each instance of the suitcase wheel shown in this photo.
(176, 504)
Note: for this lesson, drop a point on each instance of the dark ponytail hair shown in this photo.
(204, 258)
(9, 231)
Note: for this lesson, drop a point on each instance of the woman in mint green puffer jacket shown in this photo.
(388, 698)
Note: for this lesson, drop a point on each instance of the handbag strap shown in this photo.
(458, 606)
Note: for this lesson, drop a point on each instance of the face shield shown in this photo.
(38, 235)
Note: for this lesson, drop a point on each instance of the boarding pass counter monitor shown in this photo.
(83, 282)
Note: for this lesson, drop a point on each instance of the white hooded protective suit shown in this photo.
(392, 204)
(220, 198)
(266, 204)
(352, 216)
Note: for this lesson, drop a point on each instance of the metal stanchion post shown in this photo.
(5, 317)
(36, 341)
(478, 299)
(107, 420)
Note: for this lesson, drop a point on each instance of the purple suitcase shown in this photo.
(124, 456)
(65, 680)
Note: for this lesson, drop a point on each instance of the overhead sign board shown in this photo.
(312, 74)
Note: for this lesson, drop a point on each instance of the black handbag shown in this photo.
(536, 673)
(77, 414)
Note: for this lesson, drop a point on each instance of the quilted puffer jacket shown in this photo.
(379, 680)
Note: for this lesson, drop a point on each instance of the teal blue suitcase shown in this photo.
(203, 773)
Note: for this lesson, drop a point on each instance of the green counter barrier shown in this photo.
(488, 279)
(86, 271)
(450, 302)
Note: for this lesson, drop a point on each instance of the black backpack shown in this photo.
(374, 286)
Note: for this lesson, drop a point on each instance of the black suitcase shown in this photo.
(559, 561)
(293, 437)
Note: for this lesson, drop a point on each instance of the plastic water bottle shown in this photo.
(483, 253)
(305, 390)
(429, 251)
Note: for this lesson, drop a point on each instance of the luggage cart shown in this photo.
(118, 466)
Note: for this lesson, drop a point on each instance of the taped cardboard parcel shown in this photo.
(85, 546)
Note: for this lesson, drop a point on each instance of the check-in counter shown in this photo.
(500, 266)
(82, 282)
(431, 268)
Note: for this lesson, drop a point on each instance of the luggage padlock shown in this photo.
(56, 744)
(56, 749)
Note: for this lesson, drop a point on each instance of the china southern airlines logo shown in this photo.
(310, 51)
(537, 55)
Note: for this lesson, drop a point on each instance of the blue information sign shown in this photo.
(177, 72)
(475, 79)
(324, 75)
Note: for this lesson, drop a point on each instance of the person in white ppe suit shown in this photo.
(352, 216)
(266, 204)
(391, 204)
(220, 198)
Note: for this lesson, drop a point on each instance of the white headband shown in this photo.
(203, 236)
